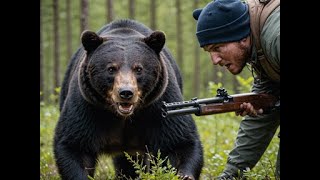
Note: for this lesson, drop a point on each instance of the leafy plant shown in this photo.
(160, 169)
(213, 87)
(245, 84)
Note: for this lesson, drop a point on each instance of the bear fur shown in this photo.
(111, 101)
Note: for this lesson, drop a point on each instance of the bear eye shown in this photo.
(111, 70)
(138, 70)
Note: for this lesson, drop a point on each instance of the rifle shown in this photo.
(222, 103)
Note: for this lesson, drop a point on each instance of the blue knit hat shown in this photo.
(222, 21)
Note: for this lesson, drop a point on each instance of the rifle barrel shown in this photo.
(189, 110)
(193, 102)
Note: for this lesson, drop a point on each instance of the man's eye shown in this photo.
(216, 48)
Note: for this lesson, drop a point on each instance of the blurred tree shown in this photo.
(110, 13)
(69, 29)
(84, 15)
(196, 78)
(132, 8)
(179, 35)
(41, 59)
(56, 45)
(153, 13)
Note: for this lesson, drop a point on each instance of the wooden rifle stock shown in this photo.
(222, 103)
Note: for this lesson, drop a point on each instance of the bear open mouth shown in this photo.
(125, 108)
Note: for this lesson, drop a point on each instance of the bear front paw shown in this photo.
(186, 177)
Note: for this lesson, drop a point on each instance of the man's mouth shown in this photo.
(227, 66)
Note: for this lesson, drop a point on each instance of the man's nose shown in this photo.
(215, 58)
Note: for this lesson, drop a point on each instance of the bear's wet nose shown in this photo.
(125, 93)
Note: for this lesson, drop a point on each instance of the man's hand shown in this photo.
(248, 109)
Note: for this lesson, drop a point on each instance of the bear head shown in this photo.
(122, 73)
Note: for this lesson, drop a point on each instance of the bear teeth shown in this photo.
(125, 108)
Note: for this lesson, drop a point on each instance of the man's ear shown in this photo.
(245, 39)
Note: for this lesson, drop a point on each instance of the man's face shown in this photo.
(232, 55)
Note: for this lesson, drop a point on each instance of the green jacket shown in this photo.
(270, 43)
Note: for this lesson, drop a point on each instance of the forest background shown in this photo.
(62, 22)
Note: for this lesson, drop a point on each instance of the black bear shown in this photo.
(111, 100)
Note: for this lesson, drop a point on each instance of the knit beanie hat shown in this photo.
(222, 21)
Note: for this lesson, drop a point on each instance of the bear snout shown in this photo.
(126, 93)
(127, 99)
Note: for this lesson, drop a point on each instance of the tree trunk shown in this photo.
(110, 13)
(131, 9)
(41, 60)
(84, 15)
(56, 45)
(153, 13)
(69, 29)
(179, 36)
(196, 71)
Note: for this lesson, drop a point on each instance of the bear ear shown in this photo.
(90, 40)
(156, 41)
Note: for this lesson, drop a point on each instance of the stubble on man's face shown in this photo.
(240, 58)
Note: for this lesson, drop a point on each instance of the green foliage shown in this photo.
(218, 133)
(54, 97)
(104, 169)
(267, 171)
(48, 117)
(160, 169)
(245, 83)
(213, 87)
(219, 74)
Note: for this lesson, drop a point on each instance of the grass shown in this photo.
(48, 118)
(217, 133)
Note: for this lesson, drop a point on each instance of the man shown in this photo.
(224, 29)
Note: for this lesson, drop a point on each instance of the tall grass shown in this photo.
(217, 133)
